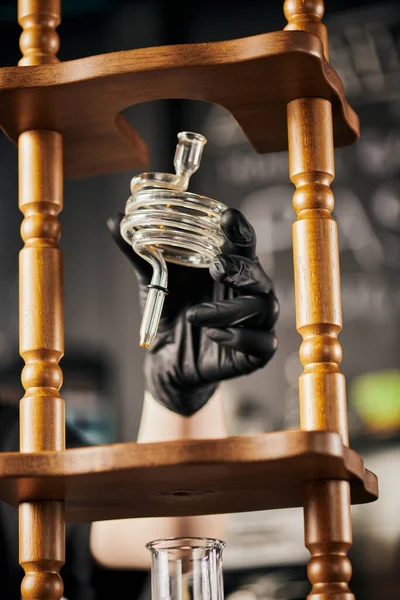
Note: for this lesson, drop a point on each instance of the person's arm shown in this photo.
(121, 543)
(217, 324)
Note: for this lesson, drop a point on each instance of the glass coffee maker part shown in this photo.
(165, 223)
(186, 569)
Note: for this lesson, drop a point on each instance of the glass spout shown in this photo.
(188, 155)
(157, 290)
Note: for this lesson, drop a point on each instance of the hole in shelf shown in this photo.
(158, 123)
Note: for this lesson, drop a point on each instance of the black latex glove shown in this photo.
(216, 324)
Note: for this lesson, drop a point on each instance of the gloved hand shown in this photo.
(216, 324)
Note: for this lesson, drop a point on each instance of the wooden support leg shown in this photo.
(39, 41)
(41, 345)
(322, 389)
(328, 537)
(42, 422)
(319, 320)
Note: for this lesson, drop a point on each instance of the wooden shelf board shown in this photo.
(235, 474)
(253, 78)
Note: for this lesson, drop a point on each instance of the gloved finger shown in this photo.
(259, 311)
(142, 268)
(240, 235)
(260, 344)
(241, 273)
(246, 364)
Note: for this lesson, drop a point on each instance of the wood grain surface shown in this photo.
(253, 78)
(185, 477)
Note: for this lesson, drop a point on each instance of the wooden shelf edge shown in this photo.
(233, 474)
(253, 78)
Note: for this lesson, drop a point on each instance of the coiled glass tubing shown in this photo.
(165, 223)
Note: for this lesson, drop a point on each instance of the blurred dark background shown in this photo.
(103, 387)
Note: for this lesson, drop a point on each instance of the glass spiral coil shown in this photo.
(165, 223)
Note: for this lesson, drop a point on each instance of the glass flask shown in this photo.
(165, 223)
(187, 569)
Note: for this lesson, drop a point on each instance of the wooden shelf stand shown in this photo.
(284, 94)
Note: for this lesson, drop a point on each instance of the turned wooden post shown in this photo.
(39, 41)
(42, 422)
(322, 390)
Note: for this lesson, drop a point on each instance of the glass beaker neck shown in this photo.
(187, 569)
(185, 543)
